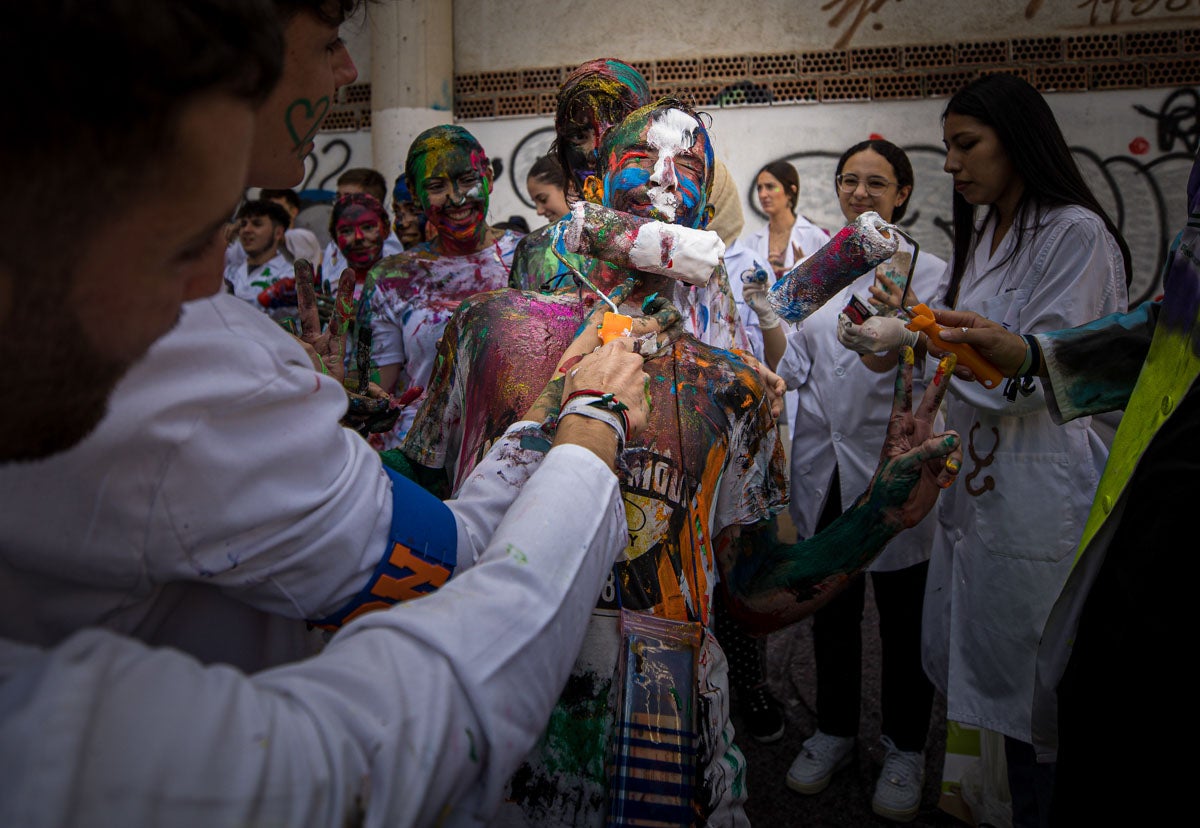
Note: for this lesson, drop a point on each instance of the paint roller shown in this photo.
(855, 249)
(637, 243)
(922, 320)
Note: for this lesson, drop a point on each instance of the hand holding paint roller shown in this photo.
(637, 243)
(986, 374)
(856, 249)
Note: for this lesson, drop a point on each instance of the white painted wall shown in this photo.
(496, 35)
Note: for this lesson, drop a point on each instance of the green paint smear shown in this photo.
(574, 742)
(471, 738)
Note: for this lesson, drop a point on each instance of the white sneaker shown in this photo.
(898, 791)
(819, 759)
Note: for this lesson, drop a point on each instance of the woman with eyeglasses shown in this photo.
(843, 411)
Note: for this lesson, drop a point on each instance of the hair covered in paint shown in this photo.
(628, 134)
(1038, 152)
(596, 96)
(444, 138)
(901, 168)
(345, 202)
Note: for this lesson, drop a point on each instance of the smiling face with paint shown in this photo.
(452, 181)
(657, 164)
(358, 227)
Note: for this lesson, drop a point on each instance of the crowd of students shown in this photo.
(513, 467)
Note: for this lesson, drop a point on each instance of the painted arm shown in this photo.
(771, 585)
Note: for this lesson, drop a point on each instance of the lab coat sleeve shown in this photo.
(1094, 367)
(413, 715)
(1074, 278)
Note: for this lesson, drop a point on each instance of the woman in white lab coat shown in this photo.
(1042, 256)
(842, 415)
(787, 239)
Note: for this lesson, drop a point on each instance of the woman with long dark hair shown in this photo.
(1042, 256)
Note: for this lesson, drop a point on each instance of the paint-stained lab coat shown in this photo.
(842, 415)
(1007, 527)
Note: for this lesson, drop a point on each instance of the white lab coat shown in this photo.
(806, 237)
(415, 715)
(217, 504)
(842, 415)
(1008, 526)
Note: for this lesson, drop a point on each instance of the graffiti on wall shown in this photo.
(1112, 12)
(1146, 199)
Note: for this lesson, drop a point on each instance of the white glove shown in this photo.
(755, 294)
(879, 333)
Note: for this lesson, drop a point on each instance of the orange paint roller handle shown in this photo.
(614, 325)
(985, 373)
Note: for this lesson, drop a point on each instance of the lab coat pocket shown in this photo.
(1026, 505)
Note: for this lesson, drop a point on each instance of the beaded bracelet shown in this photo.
(614, 420)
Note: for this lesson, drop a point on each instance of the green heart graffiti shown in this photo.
(310, 117)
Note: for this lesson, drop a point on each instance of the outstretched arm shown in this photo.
(771, 585)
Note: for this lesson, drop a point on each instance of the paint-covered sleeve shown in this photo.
(432, 439)
(387, 325)
(411, 716)
(754, 483)
(1093, 368)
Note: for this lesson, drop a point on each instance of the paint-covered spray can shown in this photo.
(637, 243)
(856, 249)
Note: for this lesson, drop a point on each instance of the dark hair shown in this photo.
(372, 181)
(268, 209)
(290, 196)
(333, 12)
(901, 167)
(549, 171)
(517, 224)
(600, 92)
(362, 200)
(788, 177)
(1038, 152)
(103, 104)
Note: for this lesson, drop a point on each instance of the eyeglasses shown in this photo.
(875, 186)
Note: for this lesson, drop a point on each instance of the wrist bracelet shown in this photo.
(603, 401)
(1024, 369)
(614, 420)
(1033, 357)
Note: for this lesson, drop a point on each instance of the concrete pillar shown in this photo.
(412, 76)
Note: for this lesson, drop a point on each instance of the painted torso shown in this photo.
(708, 460)
(413, 297)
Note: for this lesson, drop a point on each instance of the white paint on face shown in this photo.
(671, 133)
